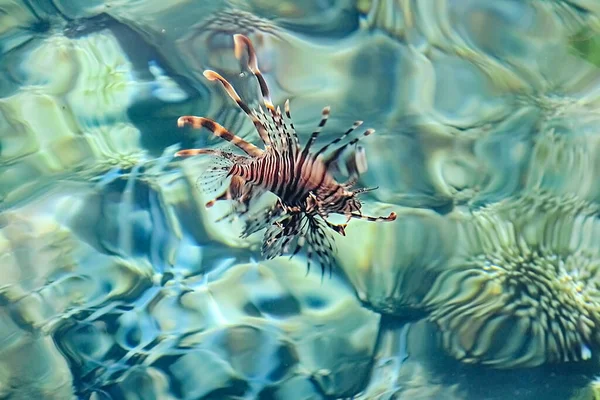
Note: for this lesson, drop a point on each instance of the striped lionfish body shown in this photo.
(301, 178)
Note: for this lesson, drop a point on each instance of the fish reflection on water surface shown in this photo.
(303, 180)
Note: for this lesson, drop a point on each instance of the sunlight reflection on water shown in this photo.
(118, 282)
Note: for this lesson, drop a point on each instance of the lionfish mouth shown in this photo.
(302, 179)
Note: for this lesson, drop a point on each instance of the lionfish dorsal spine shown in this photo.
(341, 149)
(313, 137)
(340, 138)
(288, 114)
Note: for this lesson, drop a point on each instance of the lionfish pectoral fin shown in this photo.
(260, 127)
(324, 261)
(213, 179)
(298, 247)
(389, 218)
(224, 217)
(320, 244)
(278, 136)
(211, 152)
(226, 195)
(365, 190)
(242, 43)
(241, 197)
(229, 215)
(339, 228)
(220, 131)
(190, 152)
(228, 156)
(261, 220)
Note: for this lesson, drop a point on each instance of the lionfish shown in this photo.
(302, 179)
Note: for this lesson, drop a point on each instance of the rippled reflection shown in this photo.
(118, 283)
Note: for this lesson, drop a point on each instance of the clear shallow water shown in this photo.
(118, 283)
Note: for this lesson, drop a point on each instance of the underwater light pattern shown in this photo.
(119, 283)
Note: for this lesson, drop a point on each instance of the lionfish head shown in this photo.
(352, 204)
(349, 204)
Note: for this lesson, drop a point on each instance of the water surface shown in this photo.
(118, 283)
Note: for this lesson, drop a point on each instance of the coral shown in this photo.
(523, 289)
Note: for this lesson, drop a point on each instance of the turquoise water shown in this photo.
(118, 283)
